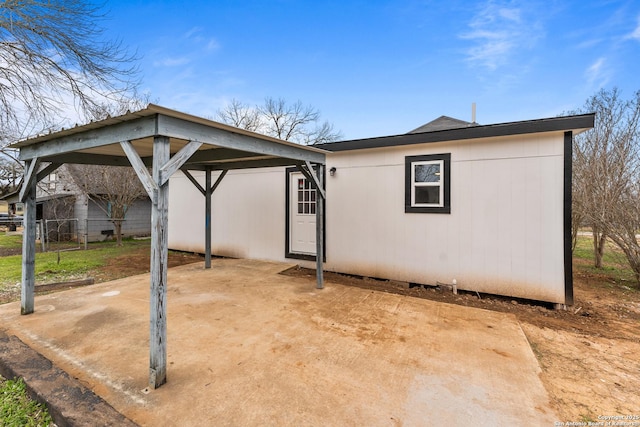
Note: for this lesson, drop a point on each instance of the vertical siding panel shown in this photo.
(500, 237)
(518, 220)
(507, 229)
(533, 228)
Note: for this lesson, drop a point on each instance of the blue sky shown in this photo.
(378, 68)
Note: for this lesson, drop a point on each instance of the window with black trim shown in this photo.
(428, 183)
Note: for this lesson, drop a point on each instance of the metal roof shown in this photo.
(223, 146)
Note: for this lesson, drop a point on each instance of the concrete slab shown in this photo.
(247, 346)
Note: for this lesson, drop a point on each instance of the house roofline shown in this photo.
(576, 123)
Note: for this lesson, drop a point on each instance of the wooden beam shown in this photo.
(29, 180)
(47, 170)
(194, 182)
(125, 131)
(219, 180)
(159, 257)
(249, 164)
(207, 191)
(302, 168)
(28, 238)
(178, 160)
(184, 129)
(141, 170)
(319, 228)
(308, 171)
(207, 219)
(94, 159)
(217, 154)
(209, 195)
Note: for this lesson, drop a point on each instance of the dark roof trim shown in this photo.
(555, 124)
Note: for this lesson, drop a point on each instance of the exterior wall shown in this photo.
(137, 221)
(247, 211)
(504, 234)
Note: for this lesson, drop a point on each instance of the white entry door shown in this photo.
(302, 214)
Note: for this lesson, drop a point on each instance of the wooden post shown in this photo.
(207, 218)
(320, 226)
(159, 255)
(29, 242)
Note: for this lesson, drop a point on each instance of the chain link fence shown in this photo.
(72, 233)
(60, 234)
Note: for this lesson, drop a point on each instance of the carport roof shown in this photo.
(223, 147)
(165, 140)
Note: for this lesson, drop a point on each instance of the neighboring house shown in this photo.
(9, 204)
(60, 196)
(487, 207)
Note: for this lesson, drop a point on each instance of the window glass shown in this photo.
(306, 197)
(429, 172)
(427, 186)
(427, 195)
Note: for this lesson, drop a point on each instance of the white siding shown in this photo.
(137, 220)
(248, 214)
(504, 234)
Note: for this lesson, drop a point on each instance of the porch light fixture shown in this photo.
(332, 171)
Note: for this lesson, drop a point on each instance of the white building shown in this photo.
(488, 206)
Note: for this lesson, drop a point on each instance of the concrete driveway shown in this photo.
(247, 346)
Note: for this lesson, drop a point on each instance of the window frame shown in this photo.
(444, 207)
(53, 179)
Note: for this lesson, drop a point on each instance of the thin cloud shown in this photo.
(195, 35)
(597, 74)
(635, 34)
(213, 45)
(193, 31)
(497, 31)
(172, 62)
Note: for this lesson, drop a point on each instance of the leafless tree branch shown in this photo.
(290, 122)
(52, 52)
(607, 174)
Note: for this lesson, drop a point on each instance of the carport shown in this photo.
(164, 141)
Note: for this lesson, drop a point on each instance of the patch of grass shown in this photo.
(612, 254)
(615, 268)
(10, 241)
(587, 419)
(17, 409)
(536, 351)
(72, 265)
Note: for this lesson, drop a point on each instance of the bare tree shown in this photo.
(54, 51)
(624, 225)
(241, 116)
(607, 173)
(10, 174)
(290, 122)
(117, 107)
(114, 188)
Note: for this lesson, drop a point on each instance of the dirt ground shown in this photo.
(589, 353)
(127, 265)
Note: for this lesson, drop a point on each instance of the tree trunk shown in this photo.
(599, 242)
(576, 220)
(118, 226)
